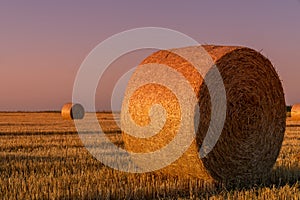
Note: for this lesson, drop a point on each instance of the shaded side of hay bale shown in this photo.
(255, 117)
(295, 112)
(253, 132)
(72, 111)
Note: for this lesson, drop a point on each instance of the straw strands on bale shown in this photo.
(254, 126)
(72, 111)
(295, 112)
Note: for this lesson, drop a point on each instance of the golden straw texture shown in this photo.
(254, 127)
(295, 112)
(72, 111)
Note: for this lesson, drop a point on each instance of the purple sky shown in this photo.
(42, 44)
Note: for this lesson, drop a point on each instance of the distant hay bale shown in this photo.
(295, 112)
(255, 117)
(72, 111)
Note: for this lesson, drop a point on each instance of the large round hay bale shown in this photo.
(72, 111)
(254, 127)
(295, 112)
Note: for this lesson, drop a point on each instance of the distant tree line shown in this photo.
(288, 108)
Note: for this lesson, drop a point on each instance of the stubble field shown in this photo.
(42, 157)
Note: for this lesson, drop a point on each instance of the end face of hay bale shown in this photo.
(72, 111)
(254, 127)
(256, 115)
(295, 112)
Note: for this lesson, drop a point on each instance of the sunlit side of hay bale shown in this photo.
(295, 112)
(72, 111)
(255, 117)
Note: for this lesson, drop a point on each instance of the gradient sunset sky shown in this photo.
(43, 43)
